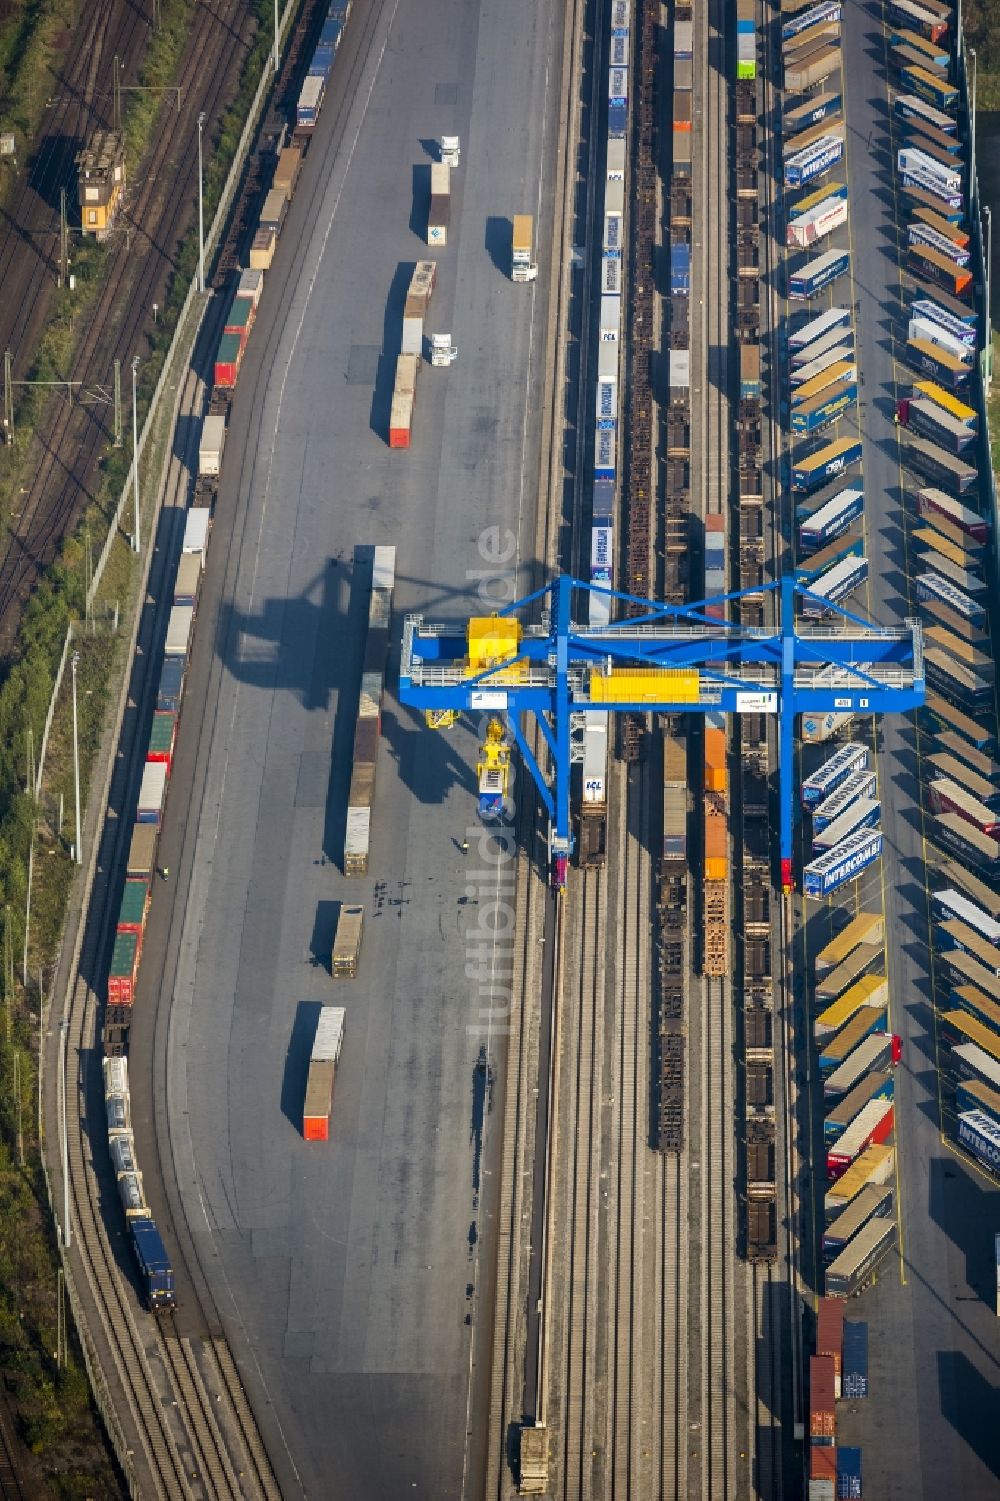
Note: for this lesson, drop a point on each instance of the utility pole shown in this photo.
(276, 58)
(63, 240)
(74, 663)
(67, 1232)
(135, 450)
(8, 395)
(972, 122)
(118, 403)
(201, 210)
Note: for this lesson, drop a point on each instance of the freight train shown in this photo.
(126, 948)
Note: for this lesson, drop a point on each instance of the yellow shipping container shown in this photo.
(646, 685)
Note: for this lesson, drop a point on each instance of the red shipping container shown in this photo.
(399, 437)
(830, 1330)
(228, 360)
(316, 1127)
(822, 1413)
(124, 969)
(822, 1462)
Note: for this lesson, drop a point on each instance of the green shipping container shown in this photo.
(135, 901)
(746, 70)
(240, 317)
(161, 736)
(124, 968)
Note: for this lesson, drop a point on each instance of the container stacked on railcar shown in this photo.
(672, 524)
(361, 795)
(751, 963)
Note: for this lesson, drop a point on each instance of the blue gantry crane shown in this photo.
(669, 658)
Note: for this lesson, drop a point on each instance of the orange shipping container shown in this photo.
(716, 846)
(715, 760)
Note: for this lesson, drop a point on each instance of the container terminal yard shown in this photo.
(540, 994)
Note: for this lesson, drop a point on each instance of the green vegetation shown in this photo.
(34, 38)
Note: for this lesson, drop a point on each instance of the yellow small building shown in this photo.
(101, 181)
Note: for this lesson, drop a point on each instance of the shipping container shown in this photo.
(347, 944)
(197, 524)
(186, 582)
(228, 360)
(262, 249)
(179, 628)
(822, 1412)
(239, 319)
(142, 851)
(286, 172)
(849, 1474)
(213, 438)
(323, 1060)
(854, 1376)
(310, 103)
(152, 793)
(124, 969)
(817, 729)
(134, 907)
(162, 737)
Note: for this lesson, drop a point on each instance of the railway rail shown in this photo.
(82, 101)
(64, 451)
(183, 1414)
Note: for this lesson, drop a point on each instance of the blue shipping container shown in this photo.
(617, 120)
(322, 62)
(604, 499)
(854, 1361)
(330, 35)
(680, 268)
(154, 1263)
(848, 1474)
(171, 687)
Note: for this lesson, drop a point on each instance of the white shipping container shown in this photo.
(413, 336)
(213, 438)
(611, 273)
(614, 199)
(607, 399)
(179, 630)
(440, 179)
(251, 285)
(196, 526)
(607, 360)
(611, 319)
(356, 840)
(384, 568)
(616, 159)
(600, 556)
(680, 369)
(154, 787)
(329, 1034)
(115, 1076)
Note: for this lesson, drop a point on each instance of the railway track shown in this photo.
(82, 101)
(185, 1424)
(70, 436)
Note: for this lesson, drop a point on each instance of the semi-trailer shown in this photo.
(825, 464)
(812, 111)
(832, 519)
(523, 267)
(857, 1264)
(926, 236)
(865, 928)
(873, 1202)
(863, 813)
(816, 223)
(875, 1084)
(816, 414)
(838, 583)
(933, 422)
(939, 466)
(834, 771)
(874, 1165)
(439, 208)
(836, 867)
(948, 368)
(979, 1134)
(834, 982)
(799, 375)
(850, 544)
(816, 328)
(844, 372)
(817, 729)
(323, 1060)
(873, 1124)
(873, 1054)
(934, 332)
(806, 72)
(954, 316)
(811, 160)
(810, 278)
(871, 990)
(347, 943)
